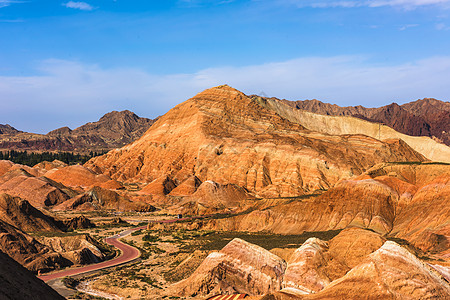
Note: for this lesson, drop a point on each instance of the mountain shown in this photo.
(344, 125)
(426, 117)
(113, 130)
(224, 136)
(8, 129)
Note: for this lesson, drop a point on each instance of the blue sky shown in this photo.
(69, 62)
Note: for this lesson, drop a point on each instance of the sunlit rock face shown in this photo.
(224, 136)
(355, 264)
(240, 267)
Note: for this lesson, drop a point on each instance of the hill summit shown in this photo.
(224, 136)
(113, 130)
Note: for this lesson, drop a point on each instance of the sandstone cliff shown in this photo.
(240, 267)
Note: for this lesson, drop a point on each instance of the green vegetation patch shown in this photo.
(218, 240)
(33, 158)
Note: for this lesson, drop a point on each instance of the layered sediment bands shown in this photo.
(355, 264)
(99, 198)
(426, 220)
(391, 272)
(425, 117)
(240, 267)
(39, 191)
(363, 202)
(28, 251)
(212, 197)
(224, 136)
(80, 249)
(406, 201)
(115, 129)
(316, 264)
(21, 214)
(79, 176)
(341, 125)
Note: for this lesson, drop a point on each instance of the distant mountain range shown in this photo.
(426, 117)
(113, 130)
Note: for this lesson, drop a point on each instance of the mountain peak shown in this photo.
(8, 129)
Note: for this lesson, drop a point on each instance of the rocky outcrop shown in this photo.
(436, 113)
(77, 176)
(391, 272)
(47, 165)
(316, 264)
(187, 187)
(240, 267)
(406, 201)
(212, 197)
(78, 249)
(306, 268)
(113, 130)
(21, 214)
(8, 129)
(99, 198)
(48, 253)
(28, 251)
(354, 264)
(224, 136)
(17, 283)
(80, 222)
(39, 191)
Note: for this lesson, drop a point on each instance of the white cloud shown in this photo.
(442, 26)
(406, 4)
(73, 93)
(404, 27)
(78, 5)
(5, 3)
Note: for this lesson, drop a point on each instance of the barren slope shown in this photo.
(224, 136)
(344, 125)
(115, 129)
(14, 278)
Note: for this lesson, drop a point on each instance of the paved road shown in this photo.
(128, 253)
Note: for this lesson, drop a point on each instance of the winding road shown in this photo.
(128, 253)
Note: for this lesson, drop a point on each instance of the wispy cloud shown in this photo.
(404, 27)
(73, 93)
(406, 4)
(12, 21)
(5, 3)
(442, 26)
(78, 5)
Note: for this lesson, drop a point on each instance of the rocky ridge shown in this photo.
(425, 117)
(350, 125)
(113, 130)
